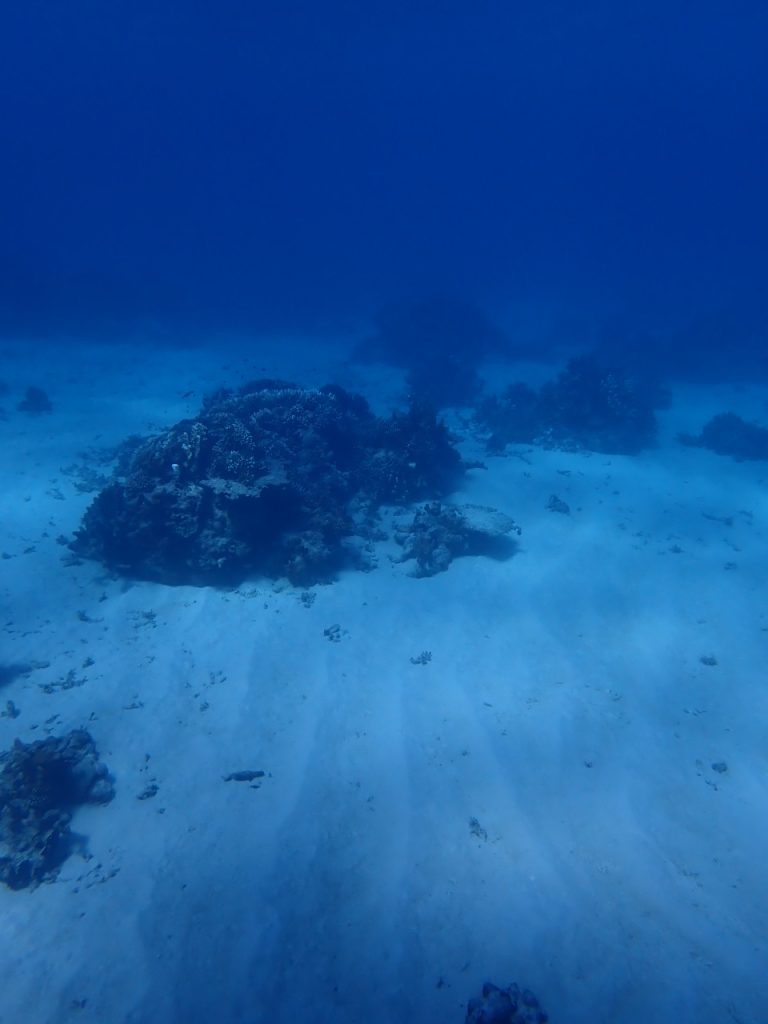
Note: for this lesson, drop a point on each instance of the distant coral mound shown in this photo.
(439, 341)
(35, 402)
(270, 479)
(589, 405)
(729, 434)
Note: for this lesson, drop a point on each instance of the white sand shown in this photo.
(565, 709)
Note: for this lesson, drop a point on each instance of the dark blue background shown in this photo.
(224, 165)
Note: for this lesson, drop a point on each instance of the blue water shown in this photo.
(191, 166)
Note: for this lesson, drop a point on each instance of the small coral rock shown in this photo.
(41, 784)
(439, 533)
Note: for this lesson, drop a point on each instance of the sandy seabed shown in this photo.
(535, 803)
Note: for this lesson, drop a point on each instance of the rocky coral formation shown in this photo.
(41, 784)
(439, 533)
(589, 405)
(729, 434)
(511, 1005)
(270, 479)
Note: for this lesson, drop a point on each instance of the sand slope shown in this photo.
(535, 803)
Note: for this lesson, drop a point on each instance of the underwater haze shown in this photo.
(383, 521)
(198, 167)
